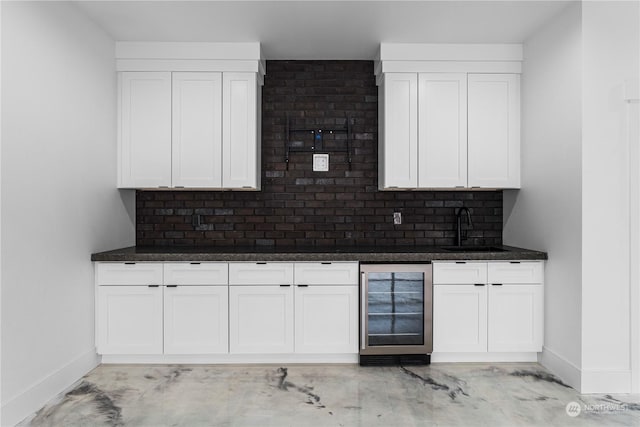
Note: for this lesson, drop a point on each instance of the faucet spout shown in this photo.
(460, 234)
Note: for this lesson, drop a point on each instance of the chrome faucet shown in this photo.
(462, 235)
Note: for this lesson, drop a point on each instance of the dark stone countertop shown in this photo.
(318, 253)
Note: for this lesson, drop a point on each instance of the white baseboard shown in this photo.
(439, 357)
(38, 394)
(569, 373)
(606, 381)
(230, 359)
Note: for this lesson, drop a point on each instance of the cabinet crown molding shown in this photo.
(449, 57)
(190, 56)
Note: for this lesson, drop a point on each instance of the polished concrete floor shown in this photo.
(331, 395)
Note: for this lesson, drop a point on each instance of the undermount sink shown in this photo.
(473, 249)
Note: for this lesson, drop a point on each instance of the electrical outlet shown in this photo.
(321, 163)
(397, 218)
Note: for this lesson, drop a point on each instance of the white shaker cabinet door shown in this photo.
(326, 319)
(261, 319)
(494, 130)
(197, 130)
(129, 320)
(144, 134)
(459, 318)
(398, 133)
(240, 131)
(515, 318)
(196, 319)
(442, 130)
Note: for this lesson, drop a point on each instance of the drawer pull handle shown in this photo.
(514, 262)
(129, 263)
(325, 263)
(478, 284)
(172, 286)
(496, 284)
(194, 263)
(153, 286)
(461, 262)
(261, 263)
(303, 286)
(284, 286)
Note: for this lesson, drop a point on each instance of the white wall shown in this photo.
(59, 202)
(546, 213)
(611, 50)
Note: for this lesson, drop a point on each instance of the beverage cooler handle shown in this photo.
(363, 317)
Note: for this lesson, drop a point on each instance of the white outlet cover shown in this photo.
(320, 162)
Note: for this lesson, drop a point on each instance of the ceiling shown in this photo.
(322, 29)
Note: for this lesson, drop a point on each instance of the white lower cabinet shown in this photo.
(502, 312)
(515, 318)
(196, 319)
(129, 320)
(459, 318)
(261, 319)
(326, 319)
(194, 309)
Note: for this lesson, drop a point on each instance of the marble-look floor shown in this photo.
(330, 395)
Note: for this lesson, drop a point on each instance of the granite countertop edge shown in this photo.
(338, 253)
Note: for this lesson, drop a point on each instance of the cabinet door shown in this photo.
(515, 318)
(197, 130)
(240, 132)
(261, 319)
(326, 319)
(398, 131)
(459, 318)
(144, 135)
(129, 320)
(196, 319)
(442, 130)
(494, 130)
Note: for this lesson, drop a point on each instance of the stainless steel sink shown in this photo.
(473, 249)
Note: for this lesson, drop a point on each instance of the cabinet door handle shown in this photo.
(172, 286)
(284, 286)
(153, 286)
(478, 284)
(496, 284)
(303, 286)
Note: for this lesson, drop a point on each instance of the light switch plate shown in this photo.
(320, 162)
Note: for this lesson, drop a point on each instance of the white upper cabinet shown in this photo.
(449, 116)
(197, 130)
(494, 130)
(240, 131)
(144, 134)
(398, 104)
(442, 130)
(189, 115)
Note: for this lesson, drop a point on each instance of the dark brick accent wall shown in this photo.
(302, 207)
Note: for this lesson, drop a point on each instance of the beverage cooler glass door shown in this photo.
(396, 309)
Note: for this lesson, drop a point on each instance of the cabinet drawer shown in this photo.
(122, 273)
(326, 273)
(515, 272)
(261, 273)
(205, 273)
(459, 273)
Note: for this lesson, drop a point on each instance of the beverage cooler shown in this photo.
(396, 312)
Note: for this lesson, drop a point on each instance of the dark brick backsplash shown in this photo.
(299, 207)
